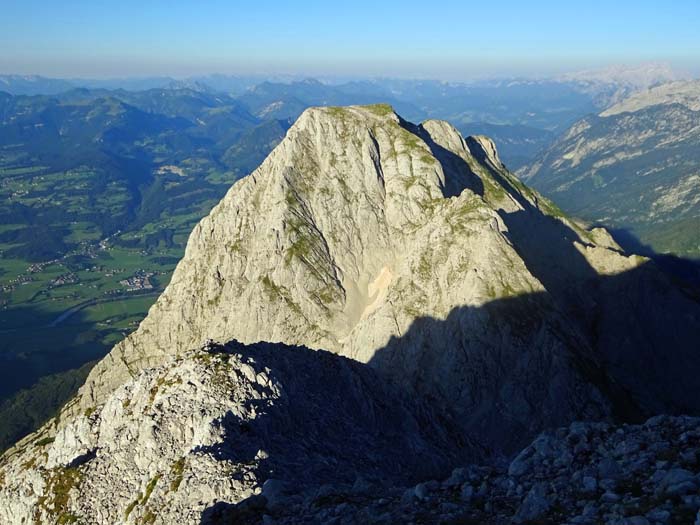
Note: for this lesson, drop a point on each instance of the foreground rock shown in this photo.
(274, 434)
(215, 424)
(587, 473)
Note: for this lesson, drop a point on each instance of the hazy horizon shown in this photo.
(454, 42)
(324, 77)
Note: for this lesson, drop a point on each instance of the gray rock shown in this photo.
(408, 496)
(608, 484)
(659, 515)
(681, 489)
(590, 509)
(466, 493)
(608, 468)
(458, 476)
(610, 497)
(519, 466)
(535, 505)
(677, 475)
(690, 457)
(691, 500)
(589, 484)
(362, 486)
(423, 490)
(678, 482)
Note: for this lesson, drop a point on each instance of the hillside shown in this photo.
(635, 167)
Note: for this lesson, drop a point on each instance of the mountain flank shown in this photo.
(634, 167)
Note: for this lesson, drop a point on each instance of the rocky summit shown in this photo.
(391, 303)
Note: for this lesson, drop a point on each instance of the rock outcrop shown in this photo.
(465, 311)
(585, 474)
(214, 424)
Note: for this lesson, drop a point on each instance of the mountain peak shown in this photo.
(385, 153)
(484, 149)
(685, 93)
(355, 227)
(353, 114)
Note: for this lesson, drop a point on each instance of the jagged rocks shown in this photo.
(564, 484)
(221, 424)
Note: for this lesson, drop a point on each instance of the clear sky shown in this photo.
(443, 39)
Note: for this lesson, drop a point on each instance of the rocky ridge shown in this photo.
(273, 434)
(213, 425)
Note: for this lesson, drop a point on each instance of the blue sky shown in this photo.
(446, 39)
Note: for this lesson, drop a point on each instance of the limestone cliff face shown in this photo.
(406, 248)
(368, 236)
(414, 250)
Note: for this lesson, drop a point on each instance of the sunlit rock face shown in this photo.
(388, 243)
(427, 269)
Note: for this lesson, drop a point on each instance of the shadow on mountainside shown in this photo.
(640, 324)
(517, 365)
(592, 347)
(479, 384)
(685, 271)
(336, 421)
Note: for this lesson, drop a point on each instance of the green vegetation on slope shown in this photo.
(633, 171)
(98, 194)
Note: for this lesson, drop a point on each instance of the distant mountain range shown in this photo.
(634, 166)
(522, 113)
